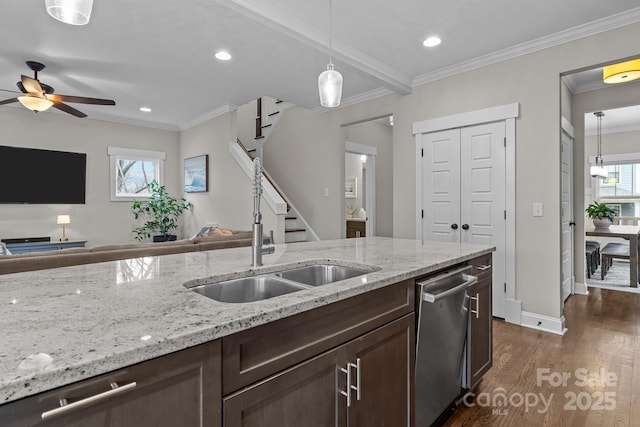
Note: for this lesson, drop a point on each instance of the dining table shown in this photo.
(627, 232)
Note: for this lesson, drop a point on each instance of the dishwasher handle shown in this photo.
(468, 281)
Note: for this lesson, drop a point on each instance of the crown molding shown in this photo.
(601, 25)
(355, 99)
(227, 108)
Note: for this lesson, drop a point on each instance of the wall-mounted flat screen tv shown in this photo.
(29, 175)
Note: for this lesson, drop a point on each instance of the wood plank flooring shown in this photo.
(601, 347)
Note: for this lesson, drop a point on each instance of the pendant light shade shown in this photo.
(598, 170)
(330, 87)
(622, 72)
(330, 81)
(73, 12)
(34, 102)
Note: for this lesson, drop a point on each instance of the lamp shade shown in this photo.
(64, 219)
(73, 12)
(34, 102)
(598, 172)
(330, 87)
(622, 72)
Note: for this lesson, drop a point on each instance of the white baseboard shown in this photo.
(580, 289)
(554, 325)
(513, 312)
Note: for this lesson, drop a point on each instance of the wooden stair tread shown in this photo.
(273, 114)
(293, 230)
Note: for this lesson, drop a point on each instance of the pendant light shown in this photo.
(599, 171)
(330, 81)
(73, 12)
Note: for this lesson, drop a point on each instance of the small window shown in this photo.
(132, 171)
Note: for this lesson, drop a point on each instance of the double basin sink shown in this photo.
(269, 285)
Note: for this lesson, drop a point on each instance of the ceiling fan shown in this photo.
(40, 97)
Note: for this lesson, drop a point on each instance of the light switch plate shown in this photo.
(538, 209)
(326, 192)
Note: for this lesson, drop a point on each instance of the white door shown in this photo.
(441, 186)
(463, 193)
(567, 216)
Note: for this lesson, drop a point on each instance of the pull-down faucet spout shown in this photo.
(257, 246)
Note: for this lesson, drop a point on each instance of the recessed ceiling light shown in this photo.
(145, 109)
(223, 55)
(432, 41)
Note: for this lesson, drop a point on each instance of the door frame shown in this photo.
(567, 128)
(507, 113)
(369, 186)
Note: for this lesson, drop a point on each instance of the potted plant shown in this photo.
(601, 214)
(162, 211)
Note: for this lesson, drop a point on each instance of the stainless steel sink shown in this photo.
(269, 285)
(316, 275)
(247, 289)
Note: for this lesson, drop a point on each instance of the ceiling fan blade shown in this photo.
(21, 87)
(81, 100)
(8, 101)
(68, 109)
(31, 85)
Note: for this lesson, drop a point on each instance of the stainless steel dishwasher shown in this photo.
(443, 306)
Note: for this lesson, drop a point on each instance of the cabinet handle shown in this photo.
(347, 393)
(68, 407)
(482, 267)
(357, 387)
(477, 310)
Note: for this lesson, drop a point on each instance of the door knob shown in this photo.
(454, 226)
(465, 226)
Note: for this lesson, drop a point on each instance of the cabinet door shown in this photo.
(479, 339)
(385, 380)
(181, 389)
(305, 395)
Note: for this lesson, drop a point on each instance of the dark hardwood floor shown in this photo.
(599, 358)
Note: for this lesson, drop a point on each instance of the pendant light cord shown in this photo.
(599, 114)
(330, 31)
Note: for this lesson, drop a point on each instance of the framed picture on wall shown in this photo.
(351, 188)
(196, 174)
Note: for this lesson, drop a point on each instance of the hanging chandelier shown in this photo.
(73, 12)
(598, 170)
(330, 80)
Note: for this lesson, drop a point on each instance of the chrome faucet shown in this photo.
(257, 245)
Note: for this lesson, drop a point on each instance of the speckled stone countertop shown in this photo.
(96, 318)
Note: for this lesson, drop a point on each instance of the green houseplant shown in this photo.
(162, 211)
(601, 214)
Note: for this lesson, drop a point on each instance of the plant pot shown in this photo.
(165, 238)
(601, 223)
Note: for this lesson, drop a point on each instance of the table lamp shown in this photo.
(64, 219)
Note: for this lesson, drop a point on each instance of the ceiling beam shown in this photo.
(290, 24)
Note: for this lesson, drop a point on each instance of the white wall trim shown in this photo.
(612, 159)
(227, 108)
(555, 325)
(355, 99)
(581, 289)
(487, 115)
(513, 311)
(567, 127)
(354, 147)
(134, 154)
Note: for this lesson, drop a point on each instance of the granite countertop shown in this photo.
(91, 319)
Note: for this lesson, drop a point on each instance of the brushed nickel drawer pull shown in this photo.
(88, 401)
(357, 387)
(483, 267)
(477, 310)
(347, 393)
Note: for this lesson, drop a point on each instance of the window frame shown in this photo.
(117, 153)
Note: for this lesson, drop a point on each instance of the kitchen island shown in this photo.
(97, 318)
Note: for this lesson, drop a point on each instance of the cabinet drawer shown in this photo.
(482, 266)
(178, 389)
(256, 353)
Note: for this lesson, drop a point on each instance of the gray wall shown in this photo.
(99, 221)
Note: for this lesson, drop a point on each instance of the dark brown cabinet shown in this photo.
(479, 348)
(367, 382)
(180, 389)
(356, 228)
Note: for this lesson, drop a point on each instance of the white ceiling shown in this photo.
(159, 53)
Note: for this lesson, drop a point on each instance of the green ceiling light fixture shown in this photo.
(330, 81)
(72, 12)
(622, 72)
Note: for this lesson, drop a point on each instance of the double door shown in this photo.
(463, 192)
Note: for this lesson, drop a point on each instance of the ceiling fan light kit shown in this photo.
(72, 12)
(622, 72)
(34, 102)
(330, 81)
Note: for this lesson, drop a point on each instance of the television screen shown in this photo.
(42, 176)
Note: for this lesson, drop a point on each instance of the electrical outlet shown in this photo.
(326, 192)
(538, 209)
